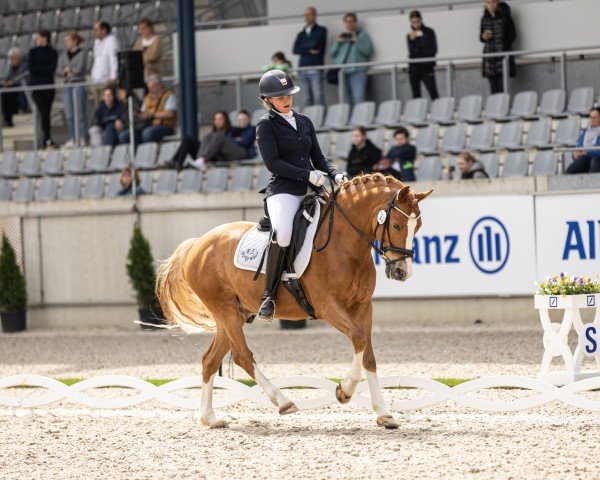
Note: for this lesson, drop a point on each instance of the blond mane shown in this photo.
(369, 181)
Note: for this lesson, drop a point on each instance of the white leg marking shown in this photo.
(354, 375)
(274, 394)
(207, 414)
(412, 225)
(379, 405)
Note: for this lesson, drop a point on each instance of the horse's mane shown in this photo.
(369, 181)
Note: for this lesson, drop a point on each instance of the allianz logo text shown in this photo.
(582, 241)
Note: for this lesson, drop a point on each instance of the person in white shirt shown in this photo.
(106, 63)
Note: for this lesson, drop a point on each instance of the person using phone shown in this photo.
(421, 44)
(468, 166)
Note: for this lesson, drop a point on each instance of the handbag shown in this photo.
(333, 73)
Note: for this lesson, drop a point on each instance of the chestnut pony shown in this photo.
(200, 289)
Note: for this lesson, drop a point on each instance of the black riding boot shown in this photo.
(274, 269)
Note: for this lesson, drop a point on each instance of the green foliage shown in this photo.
(13, 294)
(563, 284)
(140, 268)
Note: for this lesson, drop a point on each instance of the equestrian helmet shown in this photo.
(276, 83)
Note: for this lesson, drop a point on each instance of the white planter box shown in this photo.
(556, 336)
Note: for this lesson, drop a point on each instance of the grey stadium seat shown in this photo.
(545, 163)
(241, 179)
(68, 18)
(491, 164)
(257, 115)
(108, 14)
(567, 132)
(262, 178)
(114, 185)
(167, 152)
(515, 165)
(581, 101)
(53, 163)
(343, 144)
(510, 135)
(429, 169)
(24, 190)
(553, 102)
(30, 166)
(442, 110)
(25, 42)
(388, 113)
(337, 116)
(524, 104)
(29, 22)
(71, 188)
(120, 157)
(316, 113)
(376, 136)
(496, 106)
(362, 114)
(427, 139)
(146, 181)
(145, 155)
(191, 181)
(75, 161)
(233, 118)
(216, 180)
(539, 133)
(99, 158)
(49, 20)
(5, 190)
(94, 187)
(167, 182)
(324, 139)
(10, 24)
(47, 189)
(415, 110)
(86, 17)
(482, 136)
(469, 108)
(454, 138)
(9, 164)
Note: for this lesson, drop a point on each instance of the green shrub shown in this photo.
(13, 294)
(140, 268)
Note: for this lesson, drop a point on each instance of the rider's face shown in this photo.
(282, 104)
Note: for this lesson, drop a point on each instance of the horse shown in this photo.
(200, 289)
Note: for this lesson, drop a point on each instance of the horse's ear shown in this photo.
(403, 192)
(423, 195)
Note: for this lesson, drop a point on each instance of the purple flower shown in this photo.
(562, 274)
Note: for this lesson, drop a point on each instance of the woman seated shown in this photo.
(127, 183)
(468, 166)
(108, 120)
(400, 159)
(363, 155)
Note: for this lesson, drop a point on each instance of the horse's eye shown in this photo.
(397, 227)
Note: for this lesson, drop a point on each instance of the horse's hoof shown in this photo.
(287, 408)
(214, 424)
(387, 421)
(341, 396)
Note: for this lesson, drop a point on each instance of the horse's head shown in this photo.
(396, 227)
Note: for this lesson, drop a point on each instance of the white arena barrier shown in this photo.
(238, 392)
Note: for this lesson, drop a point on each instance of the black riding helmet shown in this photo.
(276, 83)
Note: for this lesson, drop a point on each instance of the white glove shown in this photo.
(317, 178)
(341, 178)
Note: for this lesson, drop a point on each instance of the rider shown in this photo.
(288, 145)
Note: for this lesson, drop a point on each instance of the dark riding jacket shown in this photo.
(290, 154)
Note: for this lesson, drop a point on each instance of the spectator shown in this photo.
(498, 33)
(158, 114)
(310, 45)
(127, 183)
(421, 44)
(106, 64)
(43, 60)
(12, 102)
(108, 119)
(588, 161)
(72, 66)
(469, 168)
(225, 144)
(151, 46)
(363, 155)
(278, 62)
(400, 159)
(353, 46)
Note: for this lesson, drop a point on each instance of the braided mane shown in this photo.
(368, 181)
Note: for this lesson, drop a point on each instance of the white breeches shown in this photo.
(282, 208)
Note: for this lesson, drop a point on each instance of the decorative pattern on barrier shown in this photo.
(240, 392)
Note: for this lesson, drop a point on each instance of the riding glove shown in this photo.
(317, 178)
(341, 178)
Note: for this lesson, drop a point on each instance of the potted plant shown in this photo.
(565, 291)
(13, 294)
(140, 269)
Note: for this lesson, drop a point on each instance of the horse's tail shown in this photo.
(180, 304)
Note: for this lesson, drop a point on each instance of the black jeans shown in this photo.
(10, 106)
(43, 100)
(584, 164)
(425, 74)
(496, 84)
(189, 146)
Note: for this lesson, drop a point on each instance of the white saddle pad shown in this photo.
(250, 250)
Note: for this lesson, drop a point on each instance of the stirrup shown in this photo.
(266, 309)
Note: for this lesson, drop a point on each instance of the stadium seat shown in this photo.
(54, 4)
(9, 164)
(114, 185)
(29, 22)
(316, 114)
(191, 181)
(337, 116)
(53, 164)
(30, 166)
(427, 139)
(545, 163)
(99, 158)
(75, 161)
(515, 165)
(581, 101)
(108, 13)
(257, 115)
(10, 24)
(71, 188)
(5, 44)
(539, 133)
(167, 182)
(86, 17)
(49, 20)
(216, 180)
(34, 4)
(343, 144)
(362, 114)
(146, 181)
(510, 135)
(524, 104)
(24, 190)
(66, 20)
(262, 178)
(377, 137)
(442, 110)
(429, 169)
(454, 138)
(25, 42)
(47, 189)
(5, 190)
(490, 164)
(94, 186)
(127, 11)
(145, 155)
(167, 152)
(415, 111)
(324, 139)
(496, 106)
(388, 113)
(241, 179)
(120, 157)
(469, 108)
(482, 136)
(553, 102)
(233, 118)
(567, 132)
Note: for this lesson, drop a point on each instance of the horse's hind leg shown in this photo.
(210, 365)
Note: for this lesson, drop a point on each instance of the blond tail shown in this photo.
(180, 304)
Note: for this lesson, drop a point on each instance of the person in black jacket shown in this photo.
(363, 154)
(421, 44)
(310, 45)
(498, 33)
(288, 145)
(43, 60)
(400, 159)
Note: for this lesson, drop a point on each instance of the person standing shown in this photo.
(421, 44)
(498, 33)
(12, 102)
(43, 60)
(72, 66)
(150, 44)
(310, 45)
(353, 46)
(106, 64)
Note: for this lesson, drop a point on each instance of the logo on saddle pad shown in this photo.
(249, 254)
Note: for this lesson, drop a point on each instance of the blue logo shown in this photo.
(489, 245)
(591, 301)
(553, 302)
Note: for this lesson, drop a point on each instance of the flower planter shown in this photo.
(13, 321)
(151, 318)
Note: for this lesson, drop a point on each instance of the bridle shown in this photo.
(384, 223)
